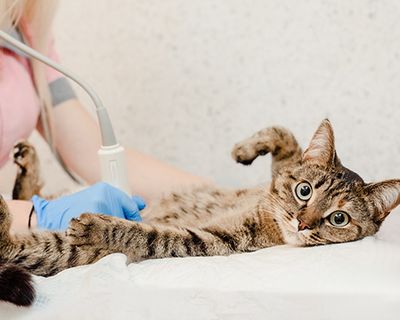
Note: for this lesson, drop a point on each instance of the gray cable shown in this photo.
(107, 131)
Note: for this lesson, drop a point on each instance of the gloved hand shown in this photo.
(99, 198)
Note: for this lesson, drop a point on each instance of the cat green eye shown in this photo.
(339, 219)
(304, 191)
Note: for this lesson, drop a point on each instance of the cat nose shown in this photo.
(302, 225)
(308, 222)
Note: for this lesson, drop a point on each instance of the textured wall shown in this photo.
(184, 80)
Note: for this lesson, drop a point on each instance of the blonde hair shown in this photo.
(35, 17)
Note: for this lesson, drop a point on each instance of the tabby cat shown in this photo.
(312, 200)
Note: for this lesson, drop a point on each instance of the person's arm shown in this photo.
(78, 139)
(56, 214)
(20, 211)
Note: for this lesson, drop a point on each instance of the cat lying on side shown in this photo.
(312, 200)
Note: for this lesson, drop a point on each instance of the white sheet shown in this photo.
(359, 280)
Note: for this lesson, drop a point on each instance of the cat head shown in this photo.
(324, 202)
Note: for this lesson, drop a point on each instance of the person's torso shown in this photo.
(19, 104)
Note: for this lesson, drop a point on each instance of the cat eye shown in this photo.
(339, 219)
(303, 191)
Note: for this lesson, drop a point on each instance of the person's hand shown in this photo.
(99, 198)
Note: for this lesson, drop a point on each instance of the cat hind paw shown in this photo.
(24, 154)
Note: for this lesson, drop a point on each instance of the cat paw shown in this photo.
(245, 152)
(24, 154)
(89, 229)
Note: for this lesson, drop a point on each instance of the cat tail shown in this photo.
(16, 285)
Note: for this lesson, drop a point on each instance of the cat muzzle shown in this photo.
(302, 226)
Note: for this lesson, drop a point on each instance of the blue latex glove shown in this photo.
(99, 198)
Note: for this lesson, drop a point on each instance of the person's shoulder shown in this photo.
(17, 35)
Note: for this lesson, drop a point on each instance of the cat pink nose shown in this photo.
(302, 225)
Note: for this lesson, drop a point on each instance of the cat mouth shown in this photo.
(305, 237)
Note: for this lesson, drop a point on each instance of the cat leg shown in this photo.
(5, 225)
(278, 141)
(27, 182)
(143, 241)
(42, 253)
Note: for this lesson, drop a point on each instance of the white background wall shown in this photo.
(184, 80)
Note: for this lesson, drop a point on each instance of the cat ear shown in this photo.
(385, 197)
(322, 146)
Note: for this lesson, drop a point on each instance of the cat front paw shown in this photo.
(89, 229)
(245, 152)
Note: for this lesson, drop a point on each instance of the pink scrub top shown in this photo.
(19, 103)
